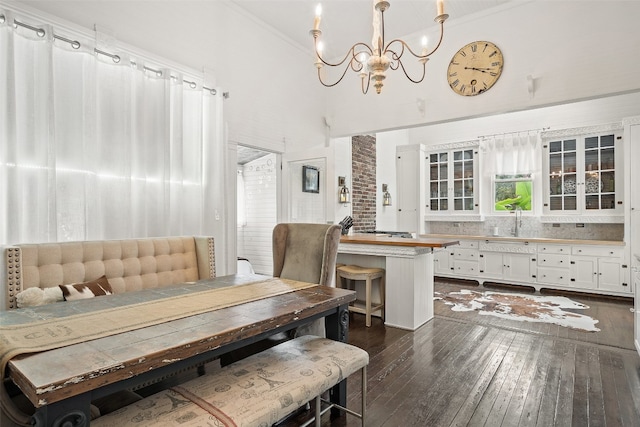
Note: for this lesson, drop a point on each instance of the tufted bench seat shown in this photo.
(128, 265)
(256, 391)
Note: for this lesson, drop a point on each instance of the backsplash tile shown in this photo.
(531, 227)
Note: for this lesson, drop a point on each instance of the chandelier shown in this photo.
(372, 62)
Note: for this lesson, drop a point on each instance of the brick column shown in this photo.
(363, 193)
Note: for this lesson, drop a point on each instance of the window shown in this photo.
(513, 192)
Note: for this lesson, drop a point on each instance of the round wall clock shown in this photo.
(475, 68)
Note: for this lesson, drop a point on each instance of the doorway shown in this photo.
(257, 208)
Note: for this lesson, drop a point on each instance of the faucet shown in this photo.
(518, 225)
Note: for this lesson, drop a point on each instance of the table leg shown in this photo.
(73, 412)
(337, 328)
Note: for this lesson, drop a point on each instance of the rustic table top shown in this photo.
(54, 375)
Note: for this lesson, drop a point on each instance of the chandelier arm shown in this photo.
(439, 41)
(404, 45)
(365, 90)
(333, 84)
(350, 52)
(424, 72)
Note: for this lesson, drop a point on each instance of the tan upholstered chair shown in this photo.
(305, 252)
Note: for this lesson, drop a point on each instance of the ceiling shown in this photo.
(248, 154)
(345, 22)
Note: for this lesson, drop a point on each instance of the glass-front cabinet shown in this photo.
(452, 182)
(581, 176)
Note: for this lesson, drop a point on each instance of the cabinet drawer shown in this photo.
(610, 251)
(465, 268)
(470, 244)
(554, 249)
(560, 276)
(466, 254)
(554, 260)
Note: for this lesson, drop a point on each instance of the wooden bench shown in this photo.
(257, 391)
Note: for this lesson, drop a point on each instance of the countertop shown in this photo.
(524, 239)
(385, 239)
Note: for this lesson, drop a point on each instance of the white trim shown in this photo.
(610, 127)
(71, 30)
(574, 218)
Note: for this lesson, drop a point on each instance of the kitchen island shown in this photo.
(409, 273)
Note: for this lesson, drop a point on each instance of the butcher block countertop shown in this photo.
(524, 239)
(386, 239)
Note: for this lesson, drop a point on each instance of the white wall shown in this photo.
(263, 73)
(386, 143)
(342, 163)
(574, 50)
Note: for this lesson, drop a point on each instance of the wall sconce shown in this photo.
(343, 195)
(386, 197)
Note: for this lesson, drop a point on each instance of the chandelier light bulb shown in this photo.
(316, 21)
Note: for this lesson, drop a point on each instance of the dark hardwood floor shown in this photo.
(464, 369)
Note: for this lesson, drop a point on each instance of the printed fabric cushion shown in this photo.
(86, 290)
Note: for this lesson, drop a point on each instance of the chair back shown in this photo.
(306, 252)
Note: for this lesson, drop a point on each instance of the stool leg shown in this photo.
(368, 302)
(318, 414)
(382, 297)
(364, 396)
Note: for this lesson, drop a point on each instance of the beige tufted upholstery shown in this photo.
(256, 391)
(129, 265)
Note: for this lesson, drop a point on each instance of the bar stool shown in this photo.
(368, 274)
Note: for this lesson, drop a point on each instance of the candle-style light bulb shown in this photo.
(423, 42)
(440, 4)
(363, 60)
(316, 21)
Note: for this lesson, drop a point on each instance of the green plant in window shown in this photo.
(510, 195)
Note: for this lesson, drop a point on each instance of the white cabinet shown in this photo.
(410, 198)
(613, 275)
(491, 265)
(519, 267)
(452, 183)
(507, 261)
(442, 265)
(606, 265)
(466, 258)
(592, 268)
(583, 176)
(584, 272)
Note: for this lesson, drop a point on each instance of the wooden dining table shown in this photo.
(61, 382)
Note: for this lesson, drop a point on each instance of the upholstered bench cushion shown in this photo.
(256, 391)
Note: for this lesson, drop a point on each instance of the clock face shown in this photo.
(475, 68)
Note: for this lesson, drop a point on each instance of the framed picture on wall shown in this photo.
(310, 179)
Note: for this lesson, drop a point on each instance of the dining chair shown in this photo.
(303, 252)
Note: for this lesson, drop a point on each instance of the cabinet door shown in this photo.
(611, 275)
(584, 272)
(491, 265)
(519, 267)
(452, 181)
(583, 175)
(442, 262)
(407, 175)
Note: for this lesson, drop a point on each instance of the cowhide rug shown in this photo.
(514, 306)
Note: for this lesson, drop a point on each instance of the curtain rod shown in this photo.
(75, 44)
(515, 132)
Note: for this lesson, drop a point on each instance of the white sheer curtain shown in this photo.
(511, 153)
(93, 149)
